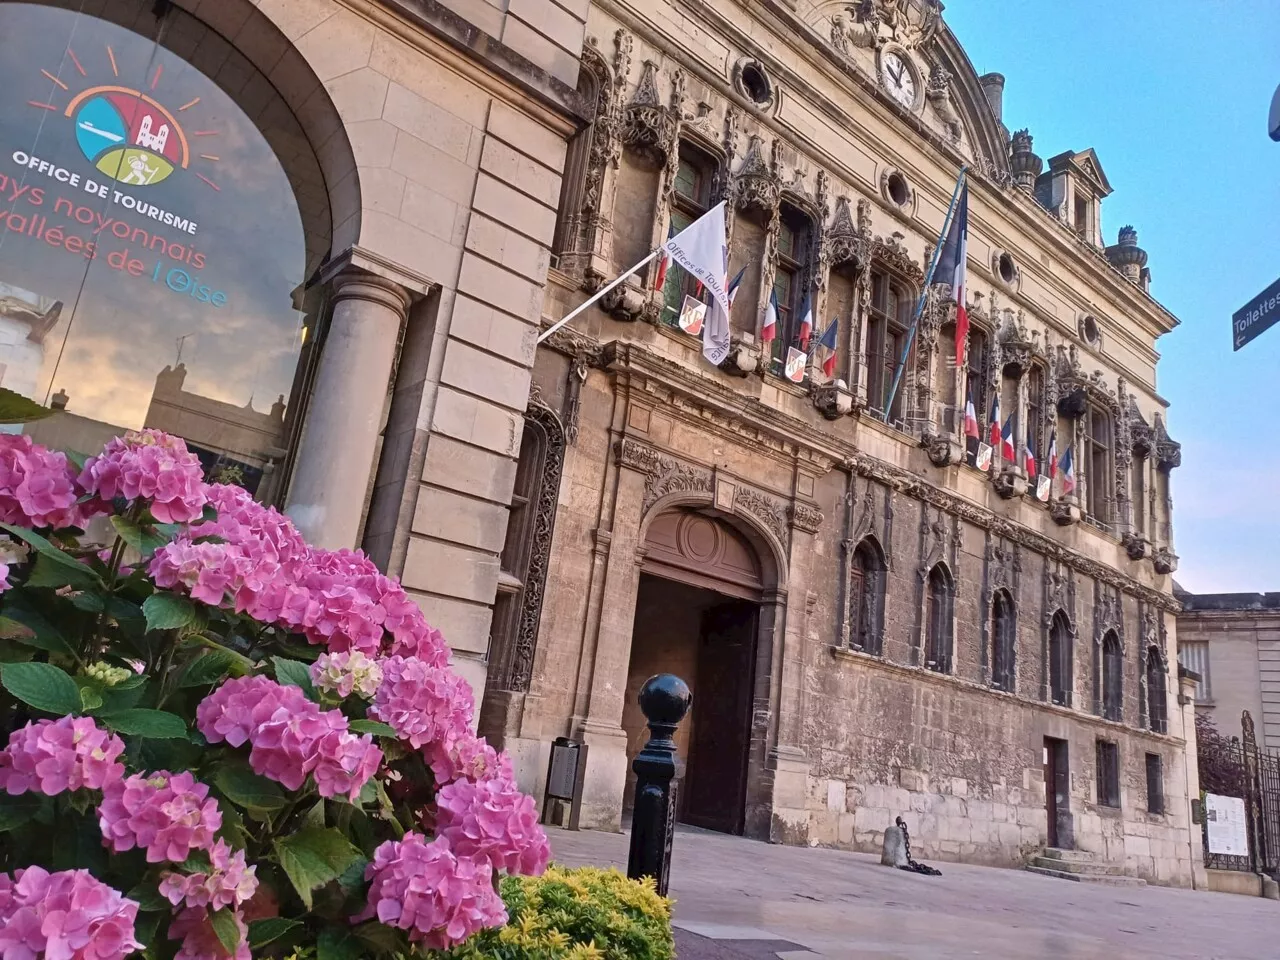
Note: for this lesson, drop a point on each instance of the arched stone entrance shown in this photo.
(698, 616)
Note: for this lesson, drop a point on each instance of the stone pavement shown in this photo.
(740, 899)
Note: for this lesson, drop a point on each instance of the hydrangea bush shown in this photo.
(221, 742)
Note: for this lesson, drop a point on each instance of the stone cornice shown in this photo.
(717, 408)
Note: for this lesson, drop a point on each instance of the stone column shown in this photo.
(336, 453)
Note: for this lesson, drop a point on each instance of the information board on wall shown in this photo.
(1226, 825)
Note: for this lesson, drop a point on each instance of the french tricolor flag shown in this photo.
(828, 343)
(1068, 473)
(770, 329)
(664, 263)
(971, 418)
(1007, 453)
(1030, 463)
(951, 269)
(1053, 453)
(995, 420)
(732, 289)
(806, 323)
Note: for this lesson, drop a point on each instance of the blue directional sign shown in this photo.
(1256, 316)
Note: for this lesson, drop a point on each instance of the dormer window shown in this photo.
(1073, 189)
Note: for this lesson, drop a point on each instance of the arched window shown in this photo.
(1112, 677)
(975, 386)
(887, 322)
(866, 595)
(690, 198)
(572, 184)
(1060, 679)
(938, 620)
(1035, 415)
(1004, 621)
(1099, 481)
(789, 287)
(1157, 695)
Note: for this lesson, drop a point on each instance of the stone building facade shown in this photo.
(871, 625)
(1232, 642)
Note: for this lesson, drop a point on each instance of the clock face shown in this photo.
(898, 79)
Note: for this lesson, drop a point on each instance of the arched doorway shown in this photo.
(697, 616)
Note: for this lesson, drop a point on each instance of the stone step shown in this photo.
(1103, 880)
(1057, 853)
(1079, 866)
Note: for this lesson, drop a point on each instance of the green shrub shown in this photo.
(576, 914)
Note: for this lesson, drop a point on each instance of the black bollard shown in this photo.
(664, 699)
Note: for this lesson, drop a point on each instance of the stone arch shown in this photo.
(770, 549)
(1060, 666)
(868, 570)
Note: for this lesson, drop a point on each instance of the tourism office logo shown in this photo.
(128, 134)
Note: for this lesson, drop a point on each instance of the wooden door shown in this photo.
(716, 776)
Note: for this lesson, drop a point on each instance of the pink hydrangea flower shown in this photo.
(238, 708)
(492, 820)
(206, 570)
(168, 814)
(243, 521)
(467, 756)
(346, 673)
(53, 756)
(200, 942)
(423, 703)
(229, 883)
(424, 888)
(37, 486)
(64, 916)
(153, 466)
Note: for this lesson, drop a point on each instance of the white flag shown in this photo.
(699, 249)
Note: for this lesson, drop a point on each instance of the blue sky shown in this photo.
(1173, 94)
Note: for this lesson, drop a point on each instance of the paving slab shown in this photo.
(735, 898)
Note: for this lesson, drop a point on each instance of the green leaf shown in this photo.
(377, 728)
(88, 602)
(47, 549)
(294, 673)
(146, 540)
(384, 939)
(153, 724)
(224, 925)
(44, 635)
(148, 897)
(16, 811)
(246, 789)
(312, 857)
(209, 513)
(90, 699)
(210, 667)
(338, 945)
(13, 630)
(315, 816)
(52, 574)
(262, 932)
(43, 686)
(77, 458)
(168, 611)
(15, 408)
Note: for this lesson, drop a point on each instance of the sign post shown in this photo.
(1256, 316)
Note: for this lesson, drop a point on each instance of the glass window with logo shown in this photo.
(153, 250)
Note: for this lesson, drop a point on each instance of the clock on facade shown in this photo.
(898, 78)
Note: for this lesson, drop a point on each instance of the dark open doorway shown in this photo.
(708, 640)
(1057, 792)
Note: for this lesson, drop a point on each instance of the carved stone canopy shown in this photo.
(893, 254)
(648, 127)
(757, 182)
(1168, 451)
(845, 243)
(1018, 345)
(1143, 437)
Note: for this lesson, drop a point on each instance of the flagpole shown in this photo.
(594, 297)
(924, 292)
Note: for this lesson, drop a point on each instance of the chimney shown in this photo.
(993, 87)
(59, 400)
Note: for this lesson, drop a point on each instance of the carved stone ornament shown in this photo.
(938, 93)
(757, 183)
(832, 399)
(1010, 482)
(942, 450)
(893, 254)
(744, 355)
(1168, 452)
(1164, 560)
(770, 511)
(909, 23)
(843, 242)
(1135, 546)
(663, 474)
(840, 35)
(805, 518)
(648, 127)
(760, 77)
(1017, 344)
(1141, 435)
(1064, 512)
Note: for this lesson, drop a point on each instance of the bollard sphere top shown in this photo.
(665, 698)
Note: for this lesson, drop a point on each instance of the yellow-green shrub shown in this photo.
(577, 914)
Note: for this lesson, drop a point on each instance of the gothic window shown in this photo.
(1035, 415)
(522, 572)
(976, 384)
(1138, 496)
(939, 620)
(1112, 675)
(1098, 483)
(1155, 783)
(1003, 635)
(690, 198)
(789, 285)
(866, 595)
(573, 183)
(1157, 696)
(1108, 759)
(1060, 680)
(888, 319)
